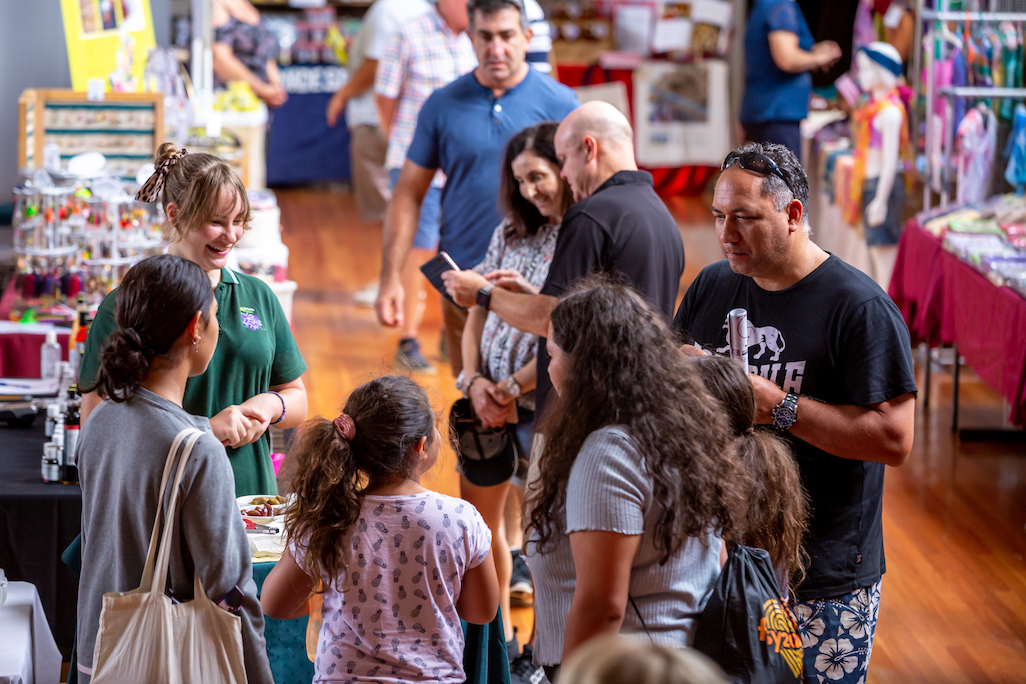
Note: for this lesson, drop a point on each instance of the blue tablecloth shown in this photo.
(286, 641)
(301, 147)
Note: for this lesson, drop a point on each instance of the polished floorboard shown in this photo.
(953, 605)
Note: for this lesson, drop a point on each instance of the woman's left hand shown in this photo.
(462, 286)
(261, 410)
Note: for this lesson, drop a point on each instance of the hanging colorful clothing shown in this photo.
(1015, 151)
(977, 140)
(862, 127)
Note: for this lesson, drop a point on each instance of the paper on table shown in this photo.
(672, 35)
(265, 547)
(715, 12)
(29, 387)
(633, 28)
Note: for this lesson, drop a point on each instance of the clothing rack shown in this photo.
(998, 11)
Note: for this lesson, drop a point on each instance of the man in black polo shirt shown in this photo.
(831, 366)
(618, 225)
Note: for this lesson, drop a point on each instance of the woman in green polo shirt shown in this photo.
(253, 379)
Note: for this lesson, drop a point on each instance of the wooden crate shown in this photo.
(126, 127)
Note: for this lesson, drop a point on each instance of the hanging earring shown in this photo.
(195, 344)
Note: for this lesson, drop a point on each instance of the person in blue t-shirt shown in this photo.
(779, 54)
(463, 129)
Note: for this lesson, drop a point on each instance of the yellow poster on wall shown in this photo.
(108, 39)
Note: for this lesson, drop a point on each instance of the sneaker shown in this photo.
(366, 297)
(523, 671)
(408, 357)
(521, 590)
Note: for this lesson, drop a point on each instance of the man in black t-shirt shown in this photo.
(618, 225)
(831, 364)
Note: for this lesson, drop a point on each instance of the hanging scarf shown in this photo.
(862, 129)
(150, 190)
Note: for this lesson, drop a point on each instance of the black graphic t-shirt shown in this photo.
(835, 336)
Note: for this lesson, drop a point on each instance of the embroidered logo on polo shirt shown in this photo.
(249, 318)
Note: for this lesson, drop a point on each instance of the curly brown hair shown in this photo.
(392, 414)
(778, 508)
(625, 369)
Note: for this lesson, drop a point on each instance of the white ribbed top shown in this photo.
(610, 490)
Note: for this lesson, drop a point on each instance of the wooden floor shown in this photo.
(954, 597)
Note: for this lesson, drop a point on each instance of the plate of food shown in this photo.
(262, 509)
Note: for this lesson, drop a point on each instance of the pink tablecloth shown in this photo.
(946, 301)
(20, 353)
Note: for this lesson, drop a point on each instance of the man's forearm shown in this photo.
(361, 80)
(858, 432)
(529, 313)
(399, 230)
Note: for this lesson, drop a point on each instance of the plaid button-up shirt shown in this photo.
(423, 56)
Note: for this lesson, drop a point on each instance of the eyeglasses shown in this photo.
(757, 163)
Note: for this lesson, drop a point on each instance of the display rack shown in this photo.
(939, 172)
(938, 177)
(125, 127)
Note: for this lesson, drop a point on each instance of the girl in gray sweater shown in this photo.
(167, 332)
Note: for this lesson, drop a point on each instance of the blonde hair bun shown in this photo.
(165, 152)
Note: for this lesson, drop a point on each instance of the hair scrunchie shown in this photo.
(155, 183)
(345, 426)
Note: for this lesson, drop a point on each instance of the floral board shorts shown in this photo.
(837, 635)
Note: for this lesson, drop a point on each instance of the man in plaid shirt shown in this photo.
(427, 53)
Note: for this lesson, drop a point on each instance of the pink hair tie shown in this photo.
(345, 426)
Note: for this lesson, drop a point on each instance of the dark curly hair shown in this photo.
(778, 509)
(392, 414)
(156, 301)
(625, 369)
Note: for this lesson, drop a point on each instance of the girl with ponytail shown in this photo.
(777, 514)
(254, 380)
(167, 332)
(400, 564)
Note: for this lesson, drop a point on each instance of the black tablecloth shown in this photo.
(37, 522)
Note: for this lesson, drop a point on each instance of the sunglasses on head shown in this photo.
(757, 163)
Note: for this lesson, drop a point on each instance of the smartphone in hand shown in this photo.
(434, 269)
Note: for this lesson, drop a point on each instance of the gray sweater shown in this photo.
(122, 451)
(610, 490)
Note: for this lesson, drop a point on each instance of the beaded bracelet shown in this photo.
(282, 406)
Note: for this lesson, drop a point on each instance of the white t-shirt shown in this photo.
(380, 23)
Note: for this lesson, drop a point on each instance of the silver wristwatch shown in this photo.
(786, 412)
(513, 387)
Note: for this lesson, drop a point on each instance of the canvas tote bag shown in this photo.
(143, 637)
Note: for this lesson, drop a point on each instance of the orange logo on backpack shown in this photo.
(777, 629)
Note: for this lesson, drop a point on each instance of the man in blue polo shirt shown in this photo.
(463, 129)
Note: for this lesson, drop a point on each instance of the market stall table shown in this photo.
(28, 654)
(21, 345)
(37, 522)
(946, 301)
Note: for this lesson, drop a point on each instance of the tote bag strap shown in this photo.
(156, 571)
(151, 554)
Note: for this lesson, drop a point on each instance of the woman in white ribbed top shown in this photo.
(636, 485)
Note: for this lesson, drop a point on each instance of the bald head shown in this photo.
(594, 142)
(603, 121)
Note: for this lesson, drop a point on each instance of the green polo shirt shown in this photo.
(255, 351)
